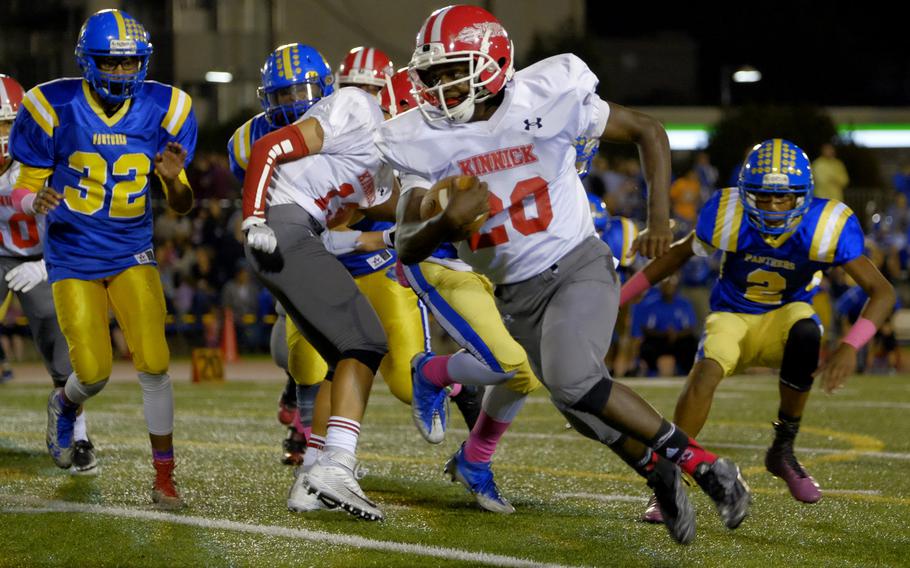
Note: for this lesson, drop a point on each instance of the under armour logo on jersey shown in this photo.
(536, 123)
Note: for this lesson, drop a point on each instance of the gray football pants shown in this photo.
(315, 288)
(564, 318)
(38, 305)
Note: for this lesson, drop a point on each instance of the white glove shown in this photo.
(259, 235)
(26, 276)
(340, 242)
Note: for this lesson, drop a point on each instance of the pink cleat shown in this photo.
(781, 462)
(652, 513)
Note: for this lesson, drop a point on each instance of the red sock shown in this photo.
(694, 455)
(436, 371)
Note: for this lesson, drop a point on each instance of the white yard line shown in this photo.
(332, 539)
(606, 498)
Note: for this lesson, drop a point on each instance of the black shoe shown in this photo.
(468, 403)
(724, 484)
(678, 514)
(84, 461)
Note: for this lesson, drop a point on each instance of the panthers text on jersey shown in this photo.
(347, 173)
(20, 234)
(357, 263)
(525, 153)
(758, 273)
(101, 165)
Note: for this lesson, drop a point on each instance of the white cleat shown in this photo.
(302, 501)
(334, 481)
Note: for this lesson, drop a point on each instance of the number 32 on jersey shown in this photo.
(127, 195)
(532, 191)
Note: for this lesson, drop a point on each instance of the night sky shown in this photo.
(858, 55)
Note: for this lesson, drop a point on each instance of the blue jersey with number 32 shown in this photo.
(102, 167)
(759, 274)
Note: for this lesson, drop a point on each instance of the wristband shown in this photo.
(860, 334)
(635, 286)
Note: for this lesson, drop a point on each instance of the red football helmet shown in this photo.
(364, 66)
(460, 34)
(11, 95)
(397, 95)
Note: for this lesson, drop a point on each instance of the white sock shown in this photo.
(342, 433)
(79, 433)
(158, 403)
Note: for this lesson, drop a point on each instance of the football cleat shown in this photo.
(781, 462)
(294, 445)
(468, 402)
(724, 484)
(430, 404)
(300, 500)
(164, 491)
(652, 512)
(60, 421)
(84, 461)
(333, 479)
(477, 477)
(672, 501)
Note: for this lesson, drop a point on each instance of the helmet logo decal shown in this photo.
(123, 46)
(476, 32)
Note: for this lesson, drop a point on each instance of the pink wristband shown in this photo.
(860, 334)
(635, 286)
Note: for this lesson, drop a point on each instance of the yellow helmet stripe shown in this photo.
(121, 25)
(288, 70)
(775, 155)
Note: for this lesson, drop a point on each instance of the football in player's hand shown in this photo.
(438, 197)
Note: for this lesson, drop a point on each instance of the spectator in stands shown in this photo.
(901, 179)
(663, 327)
(241, 295)
(830, 174)
(685, 197)
(708, 175)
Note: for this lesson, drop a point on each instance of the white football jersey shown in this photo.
(20, 234)
(525, 153)
(347, 173)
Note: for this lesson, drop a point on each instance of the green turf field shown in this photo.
(577, 504)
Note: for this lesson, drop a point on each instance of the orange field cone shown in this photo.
(229, 337)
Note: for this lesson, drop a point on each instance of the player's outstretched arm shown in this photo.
(842, 362)
(168, 166)
(658, 269)
(627, 125)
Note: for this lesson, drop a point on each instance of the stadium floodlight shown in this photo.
(219, 77)
(747, 74)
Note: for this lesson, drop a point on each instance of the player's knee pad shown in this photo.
(154, 358)
(158, 403)
(78, 392)
(589, 425)
(800, 358)
(371, 359)
(524, 381)
(91, 369)
(595, 400)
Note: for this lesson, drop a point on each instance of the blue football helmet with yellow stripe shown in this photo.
(295, 76)
(116, 34)
(773, 168)
(585, 150)
(598, 213)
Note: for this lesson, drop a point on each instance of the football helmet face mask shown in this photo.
(585, 150)
(465, 35)
(294, 77)
(364, 66)
(773, 169)
(11, 95)
(397, 96)
(117, 35)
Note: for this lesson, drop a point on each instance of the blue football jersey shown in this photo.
(357, 263)
(102, 167)
(758, 273)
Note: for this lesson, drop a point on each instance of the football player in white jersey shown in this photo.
(23, 272)
(512, 134)
(302, 179)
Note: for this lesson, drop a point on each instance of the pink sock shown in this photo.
(307, 431)
(484, 437)
(455, 390)
(298, 425)
(436, 371)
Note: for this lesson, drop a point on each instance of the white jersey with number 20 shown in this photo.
(525, 154)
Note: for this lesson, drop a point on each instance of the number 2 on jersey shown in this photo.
(526, 192)
(127, 197)
(766, 287)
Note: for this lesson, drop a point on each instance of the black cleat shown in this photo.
(84, 462)
(468, 402)
(675, 508)
(724, 484)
